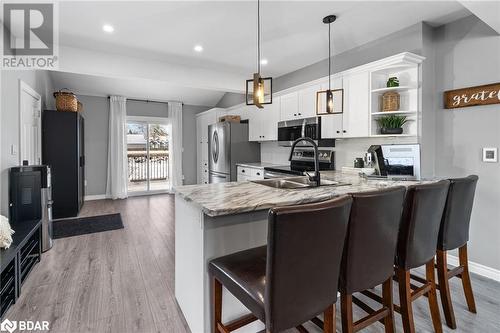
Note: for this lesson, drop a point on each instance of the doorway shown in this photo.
(30, 135)
(148, 155)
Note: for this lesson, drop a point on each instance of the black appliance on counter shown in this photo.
(291, 130)
(302, 161)
(63, 149)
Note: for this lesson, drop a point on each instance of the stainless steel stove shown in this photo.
(302, 161)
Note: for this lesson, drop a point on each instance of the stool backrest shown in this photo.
(421, 220)
(372, 235)
(454, 230)
(304, 251)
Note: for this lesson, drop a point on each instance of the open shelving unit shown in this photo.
(409, 92)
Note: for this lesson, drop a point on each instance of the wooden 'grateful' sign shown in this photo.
(480, 95)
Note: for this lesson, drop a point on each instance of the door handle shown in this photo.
(215, 143)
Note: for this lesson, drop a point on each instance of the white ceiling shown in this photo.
(293, 35)
(92, 85)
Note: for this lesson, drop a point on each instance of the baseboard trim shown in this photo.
(94, 197)
(478, 269)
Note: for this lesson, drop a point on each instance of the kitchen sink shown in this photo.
(296, 183)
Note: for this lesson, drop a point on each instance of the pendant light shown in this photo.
(259, 90)
(329, 93)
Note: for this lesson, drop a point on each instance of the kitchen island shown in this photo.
(218, 219)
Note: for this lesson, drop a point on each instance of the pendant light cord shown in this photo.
(258, 36)
(329, 57)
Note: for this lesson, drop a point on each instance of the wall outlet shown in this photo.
(490, 155)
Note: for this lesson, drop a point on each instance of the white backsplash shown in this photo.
(346, 150)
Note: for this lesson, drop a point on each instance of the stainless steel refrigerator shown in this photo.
(228, 145)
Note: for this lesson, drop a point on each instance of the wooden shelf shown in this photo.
(400, 88)
(385, 113)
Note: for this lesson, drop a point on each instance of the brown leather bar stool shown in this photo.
(294, 277)
(417, 240)
(454, 234)
(368, 258)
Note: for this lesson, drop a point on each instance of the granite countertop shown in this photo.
(241, 197)
(259, 165)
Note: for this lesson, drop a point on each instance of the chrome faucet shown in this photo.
(316, 177)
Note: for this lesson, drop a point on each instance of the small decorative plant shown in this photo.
(391, 124)
(393, 82)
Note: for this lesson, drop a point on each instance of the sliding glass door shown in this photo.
(148, 147)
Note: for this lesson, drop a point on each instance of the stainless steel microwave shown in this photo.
(290, 130)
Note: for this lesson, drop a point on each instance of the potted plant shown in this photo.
(391, 124)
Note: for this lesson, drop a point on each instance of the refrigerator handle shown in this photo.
(215, 144)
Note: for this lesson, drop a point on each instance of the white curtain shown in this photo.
(175, 116)
(116, 184)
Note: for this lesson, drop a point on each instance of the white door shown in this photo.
(30, 140)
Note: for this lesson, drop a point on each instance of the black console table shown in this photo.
(17, 261)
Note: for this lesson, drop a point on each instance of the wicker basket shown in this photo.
(390, 101)
(66, 101)
(230, 118)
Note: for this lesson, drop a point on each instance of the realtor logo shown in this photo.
(8, 326)
(29, 36)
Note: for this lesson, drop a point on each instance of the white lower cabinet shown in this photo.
(246, 173)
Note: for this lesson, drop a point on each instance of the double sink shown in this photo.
(296, 183)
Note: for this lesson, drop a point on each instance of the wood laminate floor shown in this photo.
(123, 280)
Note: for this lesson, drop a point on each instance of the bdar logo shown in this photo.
(8, 326)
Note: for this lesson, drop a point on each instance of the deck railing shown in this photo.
(138, 165)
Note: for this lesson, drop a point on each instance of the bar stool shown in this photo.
(417, 240)
(294, 277)
(368, 258)
(454, 233)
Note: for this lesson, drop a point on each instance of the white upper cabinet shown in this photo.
(263, 123)
(356, 116)
(289, 107)
(307, 101)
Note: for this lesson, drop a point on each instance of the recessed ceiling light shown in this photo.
(263, 62)
(198, 48)
(108, 28)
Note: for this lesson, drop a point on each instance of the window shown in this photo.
(148, 148)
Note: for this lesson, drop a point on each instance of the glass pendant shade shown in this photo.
(259, 91)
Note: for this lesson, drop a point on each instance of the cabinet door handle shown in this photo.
(338, 131)
(300, 114)
(295, 115)
(243, 171)
(258, 173)
(344, 131)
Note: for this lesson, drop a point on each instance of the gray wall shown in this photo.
(467, 54)
(406, 40)
(96, 113)
(9, 118)
(230, 99)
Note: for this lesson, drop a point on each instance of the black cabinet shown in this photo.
(63, 150)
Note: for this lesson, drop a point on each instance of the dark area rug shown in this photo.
(86, 225)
